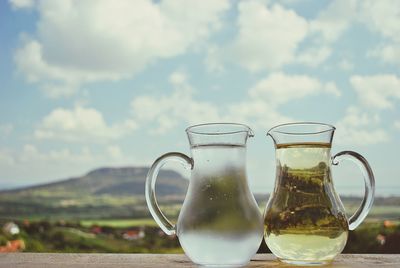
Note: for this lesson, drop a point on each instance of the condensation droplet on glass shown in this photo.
(205, 187)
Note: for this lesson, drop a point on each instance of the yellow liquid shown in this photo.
(304, 220)
(306, 247)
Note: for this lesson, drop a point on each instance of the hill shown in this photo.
(106, 192)
(109, 181)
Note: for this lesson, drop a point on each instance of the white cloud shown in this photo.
(287, 38)
(279, 88)
(179, 78)
(334, 20)
(346, 65)
(329, 25)
(397, 125)
(214, 60)
(6, 129)
(167, 111)
(387, 53)
(55, 80)
(259, 108)
(16, 4)
(360, 128)
(81, 125)
(256, 113)
(270, 36)
(6, 158)
(82, 41)
(115, 152)
(382, 16)
(314, 56)
(267, 37)
(377, 91)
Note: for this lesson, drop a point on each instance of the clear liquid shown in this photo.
(219, 223)
(215, 249)
(304, 219)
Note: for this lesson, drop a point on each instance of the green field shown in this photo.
(377, 214)
(57, 235)
(119, 223)
(44, 236)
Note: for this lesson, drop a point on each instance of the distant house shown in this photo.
(13, 246)
(381, 239)
(389, 224)
(134, 234)
(11, 228)
(161, 233)
(96, 229)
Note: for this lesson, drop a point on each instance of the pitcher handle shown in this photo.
(150, 192)
(369, 180)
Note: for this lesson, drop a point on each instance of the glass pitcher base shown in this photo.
(223, 265)
(306, 263)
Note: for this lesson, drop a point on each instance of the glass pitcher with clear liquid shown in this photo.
(304, 220)
(219, 222)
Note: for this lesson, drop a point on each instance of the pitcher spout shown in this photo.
(250, 133)
(271, 134)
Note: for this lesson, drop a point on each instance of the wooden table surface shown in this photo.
(11, 260)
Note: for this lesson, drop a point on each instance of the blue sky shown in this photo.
(86, 84)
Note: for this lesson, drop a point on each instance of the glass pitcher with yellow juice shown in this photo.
(304, 221)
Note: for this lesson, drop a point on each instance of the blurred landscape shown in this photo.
(89, 84)
(105, 211)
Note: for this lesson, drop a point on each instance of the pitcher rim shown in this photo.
(274, 129)
(245, 129)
